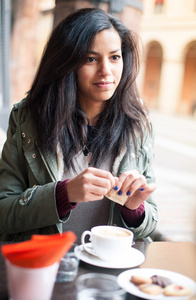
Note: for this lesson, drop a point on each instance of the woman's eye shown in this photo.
(90, 59)
(116, 57)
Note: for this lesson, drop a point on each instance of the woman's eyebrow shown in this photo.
(97, 53)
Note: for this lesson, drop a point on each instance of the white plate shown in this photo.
(133, 259)
(124, 282)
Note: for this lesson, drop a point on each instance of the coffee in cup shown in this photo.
(108, 242)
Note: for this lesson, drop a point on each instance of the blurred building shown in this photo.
(167, 79)
(128, 11)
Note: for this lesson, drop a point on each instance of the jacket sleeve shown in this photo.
(23, 206)
(141, 161)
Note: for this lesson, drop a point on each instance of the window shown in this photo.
(4, 62)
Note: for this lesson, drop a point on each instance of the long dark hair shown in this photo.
(53, 102)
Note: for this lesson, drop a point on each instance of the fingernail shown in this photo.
(128, 193)
(120, 193)
(116, 188)
(142, 189)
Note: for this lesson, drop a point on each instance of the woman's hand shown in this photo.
(90, 185)
(136, 187)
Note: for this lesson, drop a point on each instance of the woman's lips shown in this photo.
(104, 84)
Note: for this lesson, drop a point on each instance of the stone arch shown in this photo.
(188, 94)
(152, 73)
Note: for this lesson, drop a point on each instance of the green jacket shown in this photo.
(28, 179)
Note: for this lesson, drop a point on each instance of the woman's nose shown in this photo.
(104, 68)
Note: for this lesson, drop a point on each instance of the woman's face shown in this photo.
(100, 75)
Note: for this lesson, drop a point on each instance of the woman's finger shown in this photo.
(130, 181)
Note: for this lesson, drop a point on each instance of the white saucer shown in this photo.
(133, 259)
(176, 278)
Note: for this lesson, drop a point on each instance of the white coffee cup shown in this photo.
(108, 242)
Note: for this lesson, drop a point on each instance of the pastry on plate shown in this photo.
(177, 290)
(150, 288)
(137, 280)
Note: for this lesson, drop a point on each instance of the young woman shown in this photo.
(81, 131)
